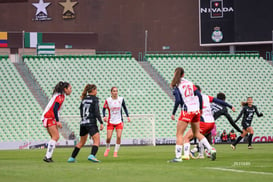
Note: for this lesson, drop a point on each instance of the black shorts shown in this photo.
(246, 125)
(88, 129)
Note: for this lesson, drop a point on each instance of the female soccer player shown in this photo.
(248, 111)
(50, 116)
(114, 121)
(185, 95)
(90, 112)
(207, 123)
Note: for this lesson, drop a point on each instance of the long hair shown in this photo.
(245, 103)
(178, 73)
(87, 89)
(59, 88)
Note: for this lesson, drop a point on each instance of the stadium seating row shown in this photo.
(237, 77)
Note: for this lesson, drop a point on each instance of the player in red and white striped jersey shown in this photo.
(114, 105)
(50, 116)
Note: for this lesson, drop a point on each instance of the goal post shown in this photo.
(140, 131)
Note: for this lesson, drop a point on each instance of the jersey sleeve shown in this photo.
(194, 88)
(59, 99)
(105, 105)
(125, 108)
(210, 98)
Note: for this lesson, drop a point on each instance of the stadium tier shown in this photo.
(142, 95)
(20, 113)
(238, 76)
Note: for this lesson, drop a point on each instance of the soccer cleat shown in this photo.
(184, 157)
(213, 154)
(106, 152)
(232, 147)
(93, 158)
(250, 147)
(115, 154)
(176, 160)
(200, 157)
(71, 160)
(192, 155)
(48, 159)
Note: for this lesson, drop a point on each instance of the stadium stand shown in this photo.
(141, 93)
(20, 113)
(238, 76)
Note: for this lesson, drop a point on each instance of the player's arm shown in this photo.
(240, 115)
(125, 110)
(198, 94)
(232, 123)
(178, 100)
(55, 111)
(105, 105)
(257, 112)
(97, 112)
(220, 102)
(81, 111)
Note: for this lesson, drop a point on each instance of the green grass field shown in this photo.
(144, 163)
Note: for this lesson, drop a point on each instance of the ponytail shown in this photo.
(59, 88)
(178, 73)
(243, 103)
(87, 89)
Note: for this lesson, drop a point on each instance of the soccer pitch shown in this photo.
(139, 163)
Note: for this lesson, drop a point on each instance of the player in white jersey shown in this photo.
(114, 105)
(207, 123)
(190, 99)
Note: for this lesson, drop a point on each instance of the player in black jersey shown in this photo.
(248, 111)
(219, 110)
(90, 112)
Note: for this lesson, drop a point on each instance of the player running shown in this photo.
(190, 99)
(50, 116)
(219, 110)
(90, 113)
(248, 111)
(114, 105)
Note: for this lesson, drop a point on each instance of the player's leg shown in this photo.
(54, 133)
(110, 129)
(95, 147)
(203, 141)
(251, 132)
(180, 129)
(77, 148)
(188, 136)
(233, 145)
(117, 146)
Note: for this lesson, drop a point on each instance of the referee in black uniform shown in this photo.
(90, 112)
(248, 111)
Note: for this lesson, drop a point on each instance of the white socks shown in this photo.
(187, 149)
(50, 148)
(205, 142)
(116, 147)
(178, 151)
(107, 145)
(201, 149)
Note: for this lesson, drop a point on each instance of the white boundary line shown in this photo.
(239, 171)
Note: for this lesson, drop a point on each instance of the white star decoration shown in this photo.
(41, 7)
